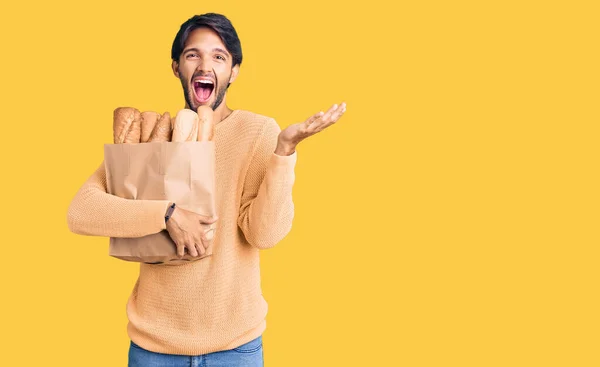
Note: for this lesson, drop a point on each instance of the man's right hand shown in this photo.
(187, 230)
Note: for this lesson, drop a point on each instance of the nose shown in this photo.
(204, 66)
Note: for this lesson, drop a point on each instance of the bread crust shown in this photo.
(126, 125)
(162, 130)
(149, 120)
(185, 126)
(205, 123)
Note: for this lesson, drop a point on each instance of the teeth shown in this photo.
(204, 81)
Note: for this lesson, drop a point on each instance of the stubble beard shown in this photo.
(190, 95)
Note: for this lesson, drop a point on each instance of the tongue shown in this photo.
(204, 93)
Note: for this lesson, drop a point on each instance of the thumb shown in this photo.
(208, 220)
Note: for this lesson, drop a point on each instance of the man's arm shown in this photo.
(267, 209)
(95, 212)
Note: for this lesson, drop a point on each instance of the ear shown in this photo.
(175, 67)
(234, 73)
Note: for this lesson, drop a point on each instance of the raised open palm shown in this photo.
(295, 133)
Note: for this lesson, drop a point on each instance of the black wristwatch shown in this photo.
(169, 212)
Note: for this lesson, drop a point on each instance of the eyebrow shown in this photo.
(217, 49)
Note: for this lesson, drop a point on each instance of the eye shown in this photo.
(192, 54)
(222, 58)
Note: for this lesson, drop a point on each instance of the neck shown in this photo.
(222, 112)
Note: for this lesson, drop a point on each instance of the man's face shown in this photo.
(204, 69)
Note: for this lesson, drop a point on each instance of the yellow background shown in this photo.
(450, 218)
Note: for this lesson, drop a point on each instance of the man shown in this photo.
(212, 310)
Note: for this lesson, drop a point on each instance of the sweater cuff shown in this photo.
(160, 210)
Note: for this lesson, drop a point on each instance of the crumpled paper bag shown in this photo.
(182, 172)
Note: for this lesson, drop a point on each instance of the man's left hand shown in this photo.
(292, 135)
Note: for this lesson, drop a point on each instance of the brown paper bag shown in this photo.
(182, 172)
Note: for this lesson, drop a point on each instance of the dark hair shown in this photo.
(218, 23)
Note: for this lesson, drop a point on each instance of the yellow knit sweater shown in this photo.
(214, 303)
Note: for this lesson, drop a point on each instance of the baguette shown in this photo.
(206, 126)
(206, 133)
(185, 126)
(126, 125)
(162, 130)
(149, 119)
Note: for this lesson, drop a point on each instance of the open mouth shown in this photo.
(203, 89)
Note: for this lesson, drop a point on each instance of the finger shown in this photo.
(314, 118)
(208, 220)
(339, 112)
(191, 246)
(200, 247)
(180, 249)
(335, 115)
(205, 241)
(329, 112)
(323, 122)
(198, 244)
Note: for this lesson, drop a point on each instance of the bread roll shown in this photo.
(126, 125)
(149, 119)
(162, 130)
(206, 127)
(185, 127)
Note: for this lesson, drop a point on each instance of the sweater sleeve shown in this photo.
(95, 212)
(267, 209)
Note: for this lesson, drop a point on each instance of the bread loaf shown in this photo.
(185, 126)
(149, 119)
(205, 123)
(126, 125)
(206, 133)
(162, 130)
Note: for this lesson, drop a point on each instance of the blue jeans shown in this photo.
(247, 355)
